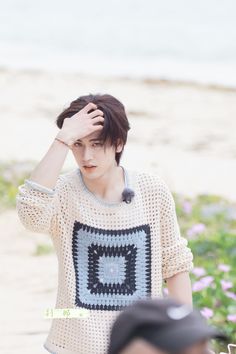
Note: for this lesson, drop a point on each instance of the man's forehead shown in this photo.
(91, 137)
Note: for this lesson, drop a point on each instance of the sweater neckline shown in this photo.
(100, 201)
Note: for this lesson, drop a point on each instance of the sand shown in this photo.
(184, 132)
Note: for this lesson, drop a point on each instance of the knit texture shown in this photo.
(109, 254)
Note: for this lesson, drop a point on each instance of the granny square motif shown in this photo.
(112, 267)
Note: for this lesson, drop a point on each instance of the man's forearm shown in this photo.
(47, 171)
(179, 287)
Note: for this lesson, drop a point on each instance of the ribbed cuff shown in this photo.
(39, 187)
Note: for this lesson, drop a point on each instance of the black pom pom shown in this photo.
(127, 195)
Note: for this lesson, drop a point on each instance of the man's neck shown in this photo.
(108, 187)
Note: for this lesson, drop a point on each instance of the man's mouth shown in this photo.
(89, 167)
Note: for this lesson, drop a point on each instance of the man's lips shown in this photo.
(90, 168)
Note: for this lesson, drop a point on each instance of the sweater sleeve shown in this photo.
(176, 255)
(37, 206)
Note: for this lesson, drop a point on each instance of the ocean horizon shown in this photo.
(172, 40)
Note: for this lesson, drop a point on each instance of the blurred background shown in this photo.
(173, 65)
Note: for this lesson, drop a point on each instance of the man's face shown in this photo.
(140, 346)
(89, 151)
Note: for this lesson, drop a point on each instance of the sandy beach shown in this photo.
(181, 131)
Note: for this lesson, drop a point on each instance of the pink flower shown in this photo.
(187, 207)
(224, 267)
(230, 295)
(207, 280)
(206, 312)
(198, 286)
(198, 271)
(202, 283)
(231, 318)
(226, 284)
(196, 230)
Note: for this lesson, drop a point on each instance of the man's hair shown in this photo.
(116, 124)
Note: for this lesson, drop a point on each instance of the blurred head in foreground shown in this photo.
(156, 326)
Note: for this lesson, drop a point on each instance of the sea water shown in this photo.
(187, 40)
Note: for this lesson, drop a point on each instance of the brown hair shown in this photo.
(116, 124)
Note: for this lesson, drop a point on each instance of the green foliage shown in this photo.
(209, 224)
(43, 249)
(12, 174)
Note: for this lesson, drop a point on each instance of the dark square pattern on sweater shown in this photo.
(112, 267)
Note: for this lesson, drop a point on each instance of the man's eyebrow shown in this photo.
(91, 140)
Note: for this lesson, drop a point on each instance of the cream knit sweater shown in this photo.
(109, 254)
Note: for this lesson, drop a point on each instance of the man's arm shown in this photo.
(179, 287)
(76, 127)
(176, 255)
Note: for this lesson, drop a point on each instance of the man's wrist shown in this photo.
(64, 139)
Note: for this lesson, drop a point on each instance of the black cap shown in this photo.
(158, 320)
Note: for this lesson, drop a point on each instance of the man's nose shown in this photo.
(87, 154)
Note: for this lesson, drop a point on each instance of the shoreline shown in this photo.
(143, 79)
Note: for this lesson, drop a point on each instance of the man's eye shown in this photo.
(94, 144)
(97, 144)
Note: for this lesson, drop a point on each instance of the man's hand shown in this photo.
(81, 124)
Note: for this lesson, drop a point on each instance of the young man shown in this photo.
(114, 230)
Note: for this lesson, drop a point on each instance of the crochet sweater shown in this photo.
(109, 254)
